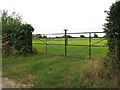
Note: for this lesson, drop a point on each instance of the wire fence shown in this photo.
(66, 44)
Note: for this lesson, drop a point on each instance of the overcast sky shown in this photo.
(53, 16)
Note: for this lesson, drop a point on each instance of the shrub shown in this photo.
(95, 36)
(16, 37)
(82, 36)
(112, 30)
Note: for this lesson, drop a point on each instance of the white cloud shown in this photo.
(52, 16)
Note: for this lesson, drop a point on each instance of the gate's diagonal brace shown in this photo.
(98, 41)
(52, 47)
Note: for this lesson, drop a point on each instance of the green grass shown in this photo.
(79, 51)
(77, 41)
(46, 71)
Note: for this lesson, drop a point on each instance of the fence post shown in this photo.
(65, 42)
(30, 44)
(89, 45)
(46, 43)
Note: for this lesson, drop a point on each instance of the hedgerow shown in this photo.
(16, 36)
(112, 29)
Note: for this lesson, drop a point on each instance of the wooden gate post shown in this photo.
(89, 45)
(65, 42)
(30, 42)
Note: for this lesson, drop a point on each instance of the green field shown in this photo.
(76, 51)
(47, 71)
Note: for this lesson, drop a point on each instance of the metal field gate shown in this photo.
(62, 45)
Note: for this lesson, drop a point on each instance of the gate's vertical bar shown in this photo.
(65, 42)
(46, 43)
(89, 45)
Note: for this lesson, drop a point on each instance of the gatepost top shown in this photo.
(65, 29)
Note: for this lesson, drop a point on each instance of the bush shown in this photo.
(16, 37)
(112, 30)
(82, 36)
(95, 36)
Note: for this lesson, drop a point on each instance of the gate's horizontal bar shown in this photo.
(39, 43)
(73, 45)
(49, 44)
(77, 45)
(99, 46)
(61, 44)
(84, 32)
(70, 33)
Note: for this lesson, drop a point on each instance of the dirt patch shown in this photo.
(6, 83)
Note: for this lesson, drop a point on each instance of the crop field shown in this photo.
(76, 51)
(47, 71)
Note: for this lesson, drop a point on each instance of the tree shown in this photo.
(56, 37)
(16, 36)
(44, 37)
(68, 36)
(112, 30)
(37, 36)
(82, 36)
(95, 36)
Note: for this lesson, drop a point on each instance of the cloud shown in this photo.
(52, 16)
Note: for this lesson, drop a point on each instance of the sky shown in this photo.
(53, 16)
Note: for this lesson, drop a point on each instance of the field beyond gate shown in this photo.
(76, 47)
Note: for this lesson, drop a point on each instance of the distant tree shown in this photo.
(82, 36)
(37, 36)
(95, 36)
(33, 36)
(44, 37)
(68, 36)
(56, 37)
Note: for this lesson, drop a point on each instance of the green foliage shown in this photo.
(37, 36)
(44, 37)
(112, 29)
(82, 36)
(95, 36)
(68, 36)
(17, 35)
(82, 51)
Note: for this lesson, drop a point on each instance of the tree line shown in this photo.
(37, 36)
